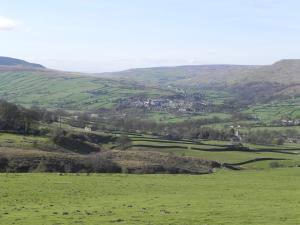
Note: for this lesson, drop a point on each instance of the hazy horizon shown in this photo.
(101, 36)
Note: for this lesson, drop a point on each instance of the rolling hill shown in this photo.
(201, 75)
(6, 62)
(33, 84)
(284, 71)
(250, 83)
(62, 90)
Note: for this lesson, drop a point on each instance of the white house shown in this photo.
(88, 129)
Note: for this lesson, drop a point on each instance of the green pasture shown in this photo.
(277, 110)
(226, 197)
(23, 141)
(217, 97)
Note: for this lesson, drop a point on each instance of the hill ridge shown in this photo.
(18, 63)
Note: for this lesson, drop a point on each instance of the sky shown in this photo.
(111, 35)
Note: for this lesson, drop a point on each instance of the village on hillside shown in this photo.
(177, 103)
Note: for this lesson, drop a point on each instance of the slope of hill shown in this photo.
(284, 71)
(184, 75)
(32, 84)
(249, 84)
(55, 89)
(17, 63)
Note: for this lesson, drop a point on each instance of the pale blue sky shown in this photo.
(109, 35)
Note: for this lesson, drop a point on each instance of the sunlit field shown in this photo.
(248, 197)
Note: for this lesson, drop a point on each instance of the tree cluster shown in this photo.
(19, 119)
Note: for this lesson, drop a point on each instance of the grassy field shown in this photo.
(22, 141)
(249, 197)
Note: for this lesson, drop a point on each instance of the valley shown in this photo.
(158, 112)
(205, 110)
(63, 129)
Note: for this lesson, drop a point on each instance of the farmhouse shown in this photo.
(290, 122)
(88, 129)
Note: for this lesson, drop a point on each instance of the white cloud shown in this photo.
(7, 23)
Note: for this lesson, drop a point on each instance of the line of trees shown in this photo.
(19, 119)
(268, 137)
(195, 129)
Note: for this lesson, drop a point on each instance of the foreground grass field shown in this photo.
(248, 197)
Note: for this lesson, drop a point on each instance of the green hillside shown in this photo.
(284, 71)
(248, 85)
(184, 75)
(55, 89)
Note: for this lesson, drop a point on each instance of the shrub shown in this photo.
(3, 164)
(280, 141)
(75, 142)
(99, 163)
(275, 164)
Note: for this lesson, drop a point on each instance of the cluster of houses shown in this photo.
(290, 122)
(164, 104)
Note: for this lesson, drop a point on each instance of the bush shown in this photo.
(280, 141)
(76, 145)
(275, 164)
(98, 163)
(3, 164)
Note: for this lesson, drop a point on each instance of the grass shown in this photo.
(23, 141)
(249, 197)
(217, 97)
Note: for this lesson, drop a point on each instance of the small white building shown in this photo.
(88, 129)
(93, 115)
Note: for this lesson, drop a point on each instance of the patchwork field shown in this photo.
(248, 197)
(277, 110)
(259, 156)
(256, 157)
(164, 117)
